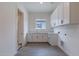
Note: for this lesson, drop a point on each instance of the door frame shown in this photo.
(19, 45)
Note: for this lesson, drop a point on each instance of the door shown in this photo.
(20, 28)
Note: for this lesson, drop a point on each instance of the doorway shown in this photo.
(20, 29)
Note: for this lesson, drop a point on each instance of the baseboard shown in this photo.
(37, 42)
(15, 53)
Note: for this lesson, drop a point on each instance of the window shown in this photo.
(40, 24)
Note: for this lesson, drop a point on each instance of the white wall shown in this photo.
(25, 12)
(71, 40)
(8, 22)
(33, 16)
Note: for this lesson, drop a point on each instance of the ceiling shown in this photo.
(37, 7)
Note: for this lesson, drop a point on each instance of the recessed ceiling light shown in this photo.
(41, 2)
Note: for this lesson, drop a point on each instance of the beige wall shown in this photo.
(33, 16)
(8, 28)
(74, 12)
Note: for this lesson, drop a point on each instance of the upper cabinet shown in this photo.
(55, 17)
(60, 13)
(65, 13)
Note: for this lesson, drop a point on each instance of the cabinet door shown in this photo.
(52, 20)
(60, 14)
(56, 17)
(34, 37)
(40, 39)
(66, 13)
(45, 37)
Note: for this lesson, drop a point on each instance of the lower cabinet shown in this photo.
(38, 37)
(53, 39)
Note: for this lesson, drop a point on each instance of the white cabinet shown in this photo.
(65, 13)
(60, 14)
(54, 18)
(53, 39)
(37, 37)
(57, 16)
(45, 36)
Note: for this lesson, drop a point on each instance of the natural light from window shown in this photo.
(40, 23)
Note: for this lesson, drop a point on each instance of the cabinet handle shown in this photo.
(62, 21)
(58, 32)
(65, 34)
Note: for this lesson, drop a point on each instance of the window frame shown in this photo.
(41, 24)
